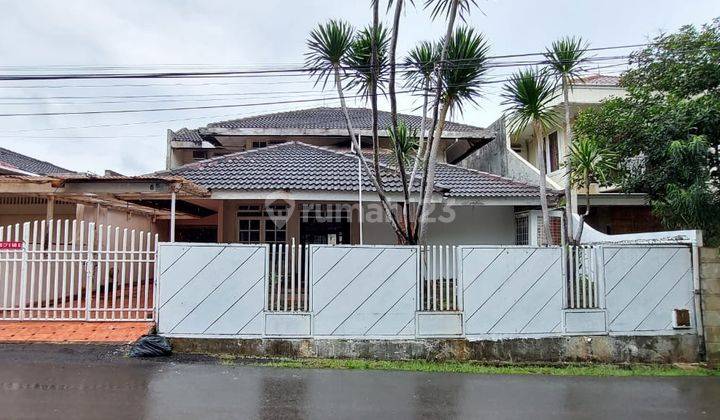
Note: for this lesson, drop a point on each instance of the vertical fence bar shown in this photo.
(140, 261)
(89, 268)
(292, 275)
(447, 277)
(285, 278)
(14, 278)
(131, 275)
(32, 257)
(278, 275)
(271, 278)
(307, 278)
(24, 270)
(82, 274)
(123, 267)
(106, 273)
(63, 288)
(149, 256)
(41, 270)
(115, 255)
(434, 276)
(98, 272)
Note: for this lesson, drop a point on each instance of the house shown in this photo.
(289, 176)
(35, 190)
(611, 211)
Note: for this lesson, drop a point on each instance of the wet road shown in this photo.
(54, 382)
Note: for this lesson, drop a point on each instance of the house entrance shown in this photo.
(325, 224)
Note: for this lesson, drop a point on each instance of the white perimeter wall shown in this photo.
(473, 225)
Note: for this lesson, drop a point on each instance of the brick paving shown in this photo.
(72, 332)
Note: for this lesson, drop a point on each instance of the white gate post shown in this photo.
(89, 269)
(23, 268)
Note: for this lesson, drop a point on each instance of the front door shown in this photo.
(325, 224)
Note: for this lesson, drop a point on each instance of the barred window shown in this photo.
(522, 233)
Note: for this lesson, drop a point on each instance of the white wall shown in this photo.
(472, 225)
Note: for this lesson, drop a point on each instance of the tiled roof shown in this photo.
(185, 134)
(600, 80)
(332, 118)
(300, 166)
(10, 159)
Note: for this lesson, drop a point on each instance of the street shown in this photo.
(38, 381)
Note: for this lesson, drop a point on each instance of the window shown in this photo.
(522, 236)
(553, 160)
(249, 231)
(259, 144)
(199, 155)
(257, 224)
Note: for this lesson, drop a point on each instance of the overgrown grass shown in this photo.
(569, 369)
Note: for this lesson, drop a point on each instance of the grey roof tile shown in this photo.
(331, 118)
(300, 166)
(16, 160)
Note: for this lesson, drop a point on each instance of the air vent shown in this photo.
(681, 318)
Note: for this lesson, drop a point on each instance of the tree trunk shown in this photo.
(540, 138)
(419, 155)
(393, 117)
(568, 141)
(373, 91)
(358, 152)
(427, 184)
(430, 173)
(585, 213)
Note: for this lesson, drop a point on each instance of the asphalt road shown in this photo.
(85, 382)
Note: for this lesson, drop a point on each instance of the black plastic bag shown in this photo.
(151, 346)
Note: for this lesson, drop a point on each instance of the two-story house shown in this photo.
(514, 156)
(291, 175)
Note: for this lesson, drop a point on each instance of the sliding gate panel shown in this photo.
(211, 289)
(510, 291)
(364, 291)
(644, 284)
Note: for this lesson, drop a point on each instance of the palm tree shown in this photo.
(565, 56)
(451, 9)
(591, 163)
(528, 95)
(329, 45)
(359, 61)
(461, 79)
(420, 65)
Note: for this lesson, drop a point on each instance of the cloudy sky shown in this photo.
(52, 36)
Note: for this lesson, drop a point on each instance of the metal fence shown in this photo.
(439, 278)
(583, 277)
(288, 281)
(70, 270)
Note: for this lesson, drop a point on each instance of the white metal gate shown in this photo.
(211, 289)
(364, 291)
(512, 290)
(70, 270)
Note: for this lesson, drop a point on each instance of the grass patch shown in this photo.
(568, 369)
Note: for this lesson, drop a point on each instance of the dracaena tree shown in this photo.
(461, 79)
(370, 45)
(592, 162)
(565, 58)
(528, 96)
(419, 69)
(329, 46)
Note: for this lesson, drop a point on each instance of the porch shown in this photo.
(343, 222)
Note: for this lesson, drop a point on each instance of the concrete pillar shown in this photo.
(710, 291)
(50, 209)
(173, 196)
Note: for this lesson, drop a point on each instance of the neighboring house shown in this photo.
(515, 157)
(35, 190)
(291, 176)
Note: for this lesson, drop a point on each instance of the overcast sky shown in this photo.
(217, 34)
